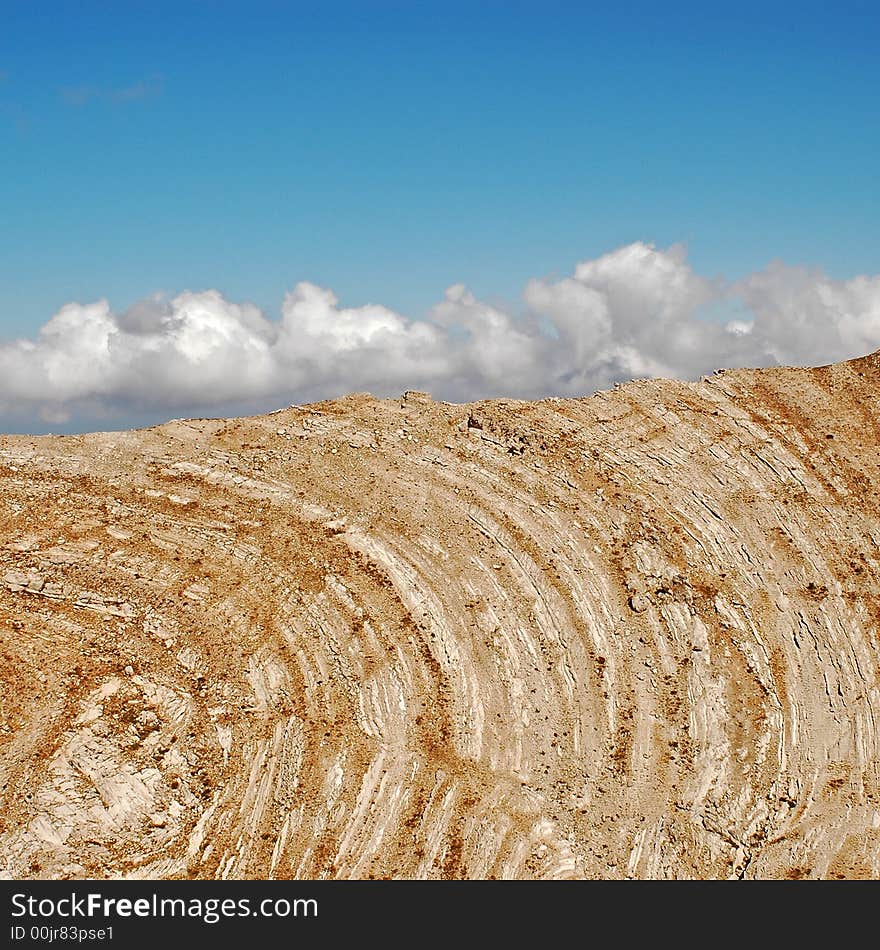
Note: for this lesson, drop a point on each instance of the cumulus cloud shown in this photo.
(637, 311)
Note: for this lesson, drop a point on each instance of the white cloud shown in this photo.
(637, 311)
(805, 317)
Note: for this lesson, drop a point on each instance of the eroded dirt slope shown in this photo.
(629, 635)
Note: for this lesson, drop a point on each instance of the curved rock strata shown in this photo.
(631, 635)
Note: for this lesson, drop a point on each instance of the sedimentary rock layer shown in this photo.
(631, 635)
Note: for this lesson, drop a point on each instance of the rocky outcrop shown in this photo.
(632, 635)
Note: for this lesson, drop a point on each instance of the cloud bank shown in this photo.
(637, 311)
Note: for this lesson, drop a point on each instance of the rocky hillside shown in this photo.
(632, 635)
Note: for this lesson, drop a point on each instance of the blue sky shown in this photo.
(391, 149)
(388, 150)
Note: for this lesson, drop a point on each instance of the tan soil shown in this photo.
(634, 635)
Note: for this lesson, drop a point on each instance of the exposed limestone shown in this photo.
(632, 635)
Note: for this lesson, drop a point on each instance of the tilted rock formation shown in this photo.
(631, 635)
